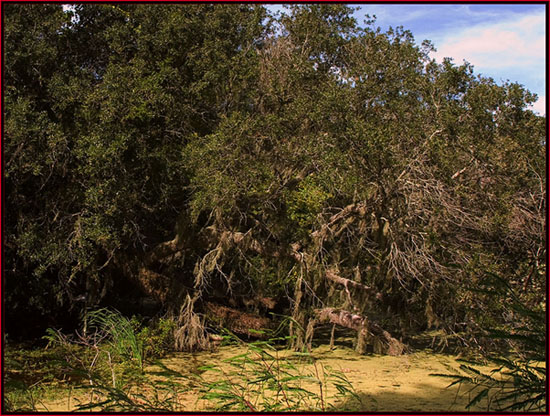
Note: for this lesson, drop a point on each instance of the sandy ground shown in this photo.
(402, 384)
(383, 383)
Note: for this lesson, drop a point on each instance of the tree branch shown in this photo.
(350, 283)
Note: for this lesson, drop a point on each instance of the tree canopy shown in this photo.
(218, 155)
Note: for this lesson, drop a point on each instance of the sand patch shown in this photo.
(383, 383)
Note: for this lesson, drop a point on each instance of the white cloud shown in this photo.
(515, 44)
(540, 105)
(513, 48)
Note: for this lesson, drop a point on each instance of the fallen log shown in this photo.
(381, 339)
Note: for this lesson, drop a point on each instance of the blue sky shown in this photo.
(502, 41)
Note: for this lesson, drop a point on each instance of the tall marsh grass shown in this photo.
(264, 376)
(121, 333)
(519, 380)
(266, 379)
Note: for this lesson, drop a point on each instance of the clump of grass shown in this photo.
(143, 397)
(32, 377)
(19, 397)
(102, 367)
(263, 378)
(512, 386)
(107, 365)
(121, 334)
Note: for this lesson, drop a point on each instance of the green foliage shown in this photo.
(305, 203)
(115, 92)
(149, 139)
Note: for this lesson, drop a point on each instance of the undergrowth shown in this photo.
(519, 380)
(115, 368)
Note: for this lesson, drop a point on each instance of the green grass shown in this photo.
(106, 371)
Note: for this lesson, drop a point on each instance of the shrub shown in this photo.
(158, 338)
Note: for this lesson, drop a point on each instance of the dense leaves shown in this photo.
(200, 153)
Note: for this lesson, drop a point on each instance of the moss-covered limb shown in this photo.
(347, 283)
(359, 209)
(340, 317)
(223, 240)
(164, 249)
(384, 342)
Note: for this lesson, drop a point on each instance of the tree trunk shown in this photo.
(332, 336)
(362, 338)
(297, 325)
(309, 333)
